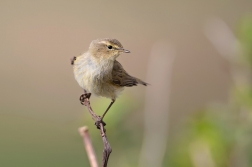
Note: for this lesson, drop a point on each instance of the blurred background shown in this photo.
(197, 57)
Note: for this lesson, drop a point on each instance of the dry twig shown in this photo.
(88, 145)
(107, 149)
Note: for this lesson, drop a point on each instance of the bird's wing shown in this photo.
(121, 78)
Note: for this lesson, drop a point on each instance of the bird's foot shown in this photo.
(98, 122)
(83, 97)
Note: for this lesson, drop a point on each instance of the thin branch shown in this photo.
(107, 148)
(88, 145)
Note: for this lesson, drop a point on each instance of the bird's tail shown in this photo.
(139, 81)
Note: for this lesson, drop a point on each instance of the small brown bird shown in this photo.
(98, 72)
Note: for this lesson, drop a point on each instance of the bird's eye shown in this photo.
(110, 47)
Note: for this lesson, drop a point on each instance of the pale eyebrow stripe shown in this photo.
(103, 42)
(108, 43)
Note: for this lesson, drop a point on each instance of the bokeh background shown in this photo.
(196, 55)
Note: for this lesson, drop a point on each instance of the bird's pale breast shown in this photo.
(95, 77)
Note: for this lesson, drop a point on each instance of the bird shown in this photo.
(98, 72)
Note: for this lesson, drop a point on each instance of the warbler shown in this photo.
(98, 72)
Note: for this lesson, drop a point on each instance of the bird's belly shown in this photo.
(106, 90)
(96, 84)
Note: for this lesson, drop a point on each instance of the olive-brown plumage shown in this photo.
(122, 78)
(98, 72)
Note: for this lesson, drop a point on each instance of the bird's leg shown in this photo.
(103, 115)
(100, 120)
(83, 97)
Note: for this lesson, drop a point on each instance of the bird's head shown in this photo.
(106, 48)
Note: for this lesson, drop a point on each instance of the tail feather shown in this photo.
(139, 81)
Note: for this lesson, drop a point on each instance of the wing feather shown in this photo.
(121, 78)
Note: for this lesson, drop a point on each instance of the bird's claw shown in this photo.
(98, 122)
(83, 97)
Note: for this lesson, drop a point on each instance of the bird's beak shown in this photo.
(124, 50)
